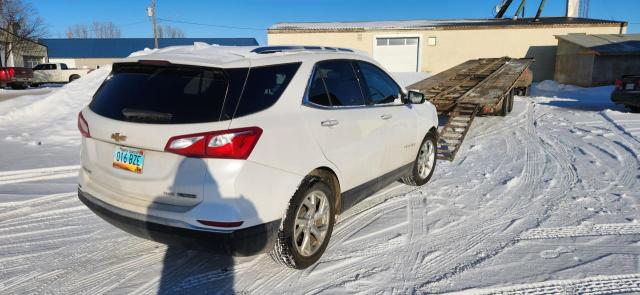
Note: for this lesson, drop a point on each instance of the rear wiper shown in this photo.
(133, 114)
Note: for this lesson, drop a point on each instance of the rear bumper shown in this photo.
(631, 98)
(243, 242)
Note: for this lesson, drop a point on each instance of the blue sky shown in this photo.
(252, 17)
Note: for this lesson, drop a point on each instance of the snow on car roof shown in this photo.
(230, 56)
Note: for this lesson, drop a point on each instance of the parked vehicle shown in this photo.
(627, 92)
(56, 73)
(15, 77)
(240, 152)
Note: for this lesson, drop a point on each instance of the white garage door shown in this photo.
(397, 54)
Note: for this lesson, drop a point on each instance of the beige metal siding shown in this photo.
(454, 46)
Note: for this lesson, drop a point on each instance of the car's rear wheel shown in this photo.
(306, 229)
(74, 77)
(425, 162)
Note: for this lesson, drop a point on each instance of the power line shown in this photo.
(210, 25)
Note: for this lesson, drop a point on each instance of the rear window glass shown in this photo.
(264, 86)
(152, 94)
(182, 94)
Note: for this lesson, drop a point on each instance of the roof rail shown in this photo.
(274, 49)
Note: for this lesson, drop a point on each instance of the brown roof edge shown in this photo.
(450, 28)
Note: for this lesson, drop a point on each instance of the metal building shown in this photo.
(599, 59)
(94, 52)
(436, 45)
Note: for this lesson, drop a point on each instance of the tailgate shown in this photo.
(22, 73)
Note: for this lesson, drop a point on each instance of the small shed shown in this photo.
(595, 60)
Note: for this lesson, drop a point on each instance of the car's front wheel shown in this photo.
(425, 162)
(305, 231)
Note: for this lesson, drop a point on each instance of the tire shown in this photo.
(634, 109)
(74, 77)
(511, 97)
(288, 248)
(504, 110)
(18, 86)
(415, 178)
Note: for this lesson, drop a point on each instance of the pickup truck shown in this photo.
(15, 77)
(627, 92)
(56, 73)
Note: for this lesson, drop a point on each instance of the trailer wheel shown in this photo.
(511, 96)
(504, 110)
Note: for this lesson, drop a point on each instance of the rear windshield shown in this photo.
(183, 94)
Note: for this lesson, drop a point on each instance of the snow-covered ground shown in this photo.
(543, 201)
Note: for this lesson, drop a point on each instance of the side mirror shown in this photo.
(416, 97)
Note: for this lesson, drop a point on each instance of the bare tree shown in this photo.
(97, 30)
(20, 26)
(167, 31)
(78, 31)
(106, 30)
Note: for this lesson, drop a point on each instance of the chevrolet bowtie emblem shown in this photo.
(117, 137)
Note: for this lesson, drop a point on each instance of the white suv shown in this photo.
(237, 151)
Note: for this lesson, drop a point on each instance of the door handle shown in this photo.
(329, 123)
(386, 117)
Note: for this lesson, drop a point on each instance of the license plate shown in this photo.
(128, 159)
(629, 86)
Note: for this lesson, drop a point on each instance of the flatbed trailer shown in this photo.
(483, 86)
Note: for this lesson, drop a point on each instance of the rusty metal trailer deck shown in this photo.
(477, 87)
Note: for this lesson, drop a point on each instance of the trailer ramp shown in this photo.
(475, 86)
(455, 130)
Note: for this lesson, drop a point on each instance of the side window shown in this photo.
(335, 84)
(264, 86)
(52, 66)
(318, 91)
(38, 67)
(63, 66)
(380, 88)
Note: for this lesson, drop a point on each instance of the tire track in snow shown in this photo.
(18, 176)
(592, 285)
(582, 231)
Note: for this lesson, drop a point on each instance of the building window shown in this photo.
(31, 61)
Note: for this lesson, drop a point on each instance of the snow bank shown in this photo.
(561, 95)
(49, 119)
(407, 78)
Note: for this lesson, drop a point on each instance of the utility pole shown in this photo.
(151, 12)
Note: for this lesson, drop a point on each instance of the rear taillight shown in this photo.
(227, 144)
(83, 126)
(618, 84)
(12, 72)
